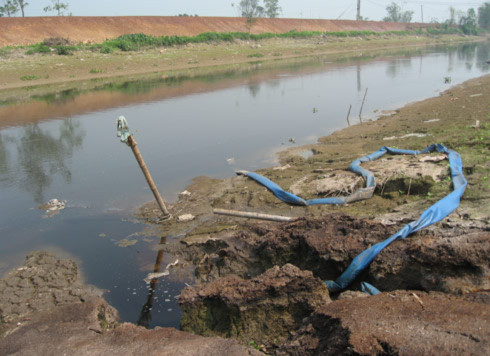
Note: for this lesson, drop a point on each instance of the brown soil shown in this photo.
(46, 310)
(398, 323)
(260, 309)
(453, 261)
(17, 31)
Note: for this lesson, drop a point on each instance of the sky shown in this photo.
(314, 9)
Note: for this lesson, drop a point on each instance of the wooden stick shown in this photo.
(134, 147)
(243, 214)
(348, 114)
(363, 100)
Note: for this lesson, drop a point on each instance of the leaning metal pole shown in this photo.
(127, 137)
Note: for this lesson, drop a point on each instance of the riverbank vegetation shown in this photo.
(141, 41)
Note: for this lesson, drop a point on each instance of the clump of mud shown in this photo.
(263, 309)
(41, 284)
(398, 323)
(454, 262)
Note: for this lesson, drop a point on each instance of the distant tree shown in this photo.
(452, 17)
(22, 4)
(484, 16)
(468, 23)
(57, 6)
(395, 14)
(9, 8)
(272, 8)
(251, 10)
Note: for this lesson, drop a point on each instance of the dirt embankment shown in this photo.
(28, 30)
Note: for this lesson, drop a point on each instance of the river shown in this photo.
(202, 125)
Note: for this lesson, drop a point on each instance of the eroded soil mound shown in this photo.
(398, 323)
(454, 261)
(262, 309)
(286, 311)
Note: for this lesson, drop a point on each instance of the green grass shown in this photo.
(138, 41)
(30, 77)
(255, 55)
(95, 71)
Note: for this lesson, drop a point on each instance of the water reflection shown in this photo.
(145, 315)
(483, 56)
(254, 88)
(396, 66)
(100, 96)
(467, 53)
(358, 70)
(41, 156)
(4, 159)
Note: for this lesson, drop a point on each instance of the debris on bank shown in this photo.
(53, 207)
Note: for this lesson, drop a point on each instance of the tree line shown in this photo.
(11, 8)
(468, 22)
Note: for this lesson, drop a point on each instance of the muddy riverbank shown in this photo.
(406, 185)
(261, 284)
(443, 265)
(25, 75)
(45, 309)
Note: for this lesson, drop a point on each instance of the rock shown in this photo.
(282, 168)
(185, 193)
(436, 158)
(396, 324)
(264, 309)
(186, 218)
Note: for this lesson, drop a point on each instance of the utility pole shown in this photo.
(358, 10)
(422, 12)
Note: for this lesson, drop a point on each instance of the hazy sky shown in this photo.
(325, 9)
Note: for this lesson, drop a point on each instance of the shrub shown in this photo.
(30, 77)
(38, 48)
(56, 41)
(64, 50)
(106, 49)
(133, 42)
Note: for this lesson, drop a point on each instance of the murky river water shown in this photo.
(185, 128)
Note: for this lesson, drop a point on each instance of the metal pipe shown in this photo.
(134, 147)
